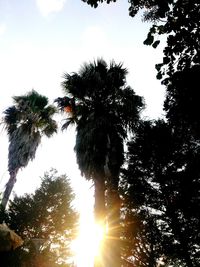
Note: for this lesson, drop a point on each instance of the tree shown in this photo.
(179, 20)
(103, 108)
(181, 103)
(153, 8)
(161, 185)
(179, 71)
(26, 122)
(182, 49)
(46, 221)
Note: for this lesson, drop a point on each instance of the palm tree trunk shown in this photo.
(9, 187)
(100, 212)
(113, 243)
(99, 195)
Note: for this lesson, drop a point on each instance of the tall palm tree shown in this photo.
(104, 108)
(26, 122)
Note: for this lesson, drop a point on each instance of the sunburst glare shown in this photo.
(88, 244)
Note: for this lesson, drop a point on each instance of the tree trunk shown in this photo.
(100, 213)
(9, 187)
(113, 242)
(99, 196)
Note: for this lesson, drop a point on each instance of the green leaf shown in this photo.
(166, 60)
(156, 43)
(149, 40)
(66, 124)
(159, 75)
(158, 66)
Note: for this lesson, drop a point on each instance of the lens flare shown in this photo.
(88, 244)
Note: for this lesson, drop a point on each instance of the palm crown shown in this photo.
(26, 121)
(104, 108)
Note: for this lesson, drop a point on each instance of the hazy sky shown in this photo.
(42, 39)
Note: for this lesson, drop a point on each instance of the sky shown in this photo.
(40, 40)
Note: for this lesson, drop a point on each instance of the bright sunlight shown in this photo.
(88, 244)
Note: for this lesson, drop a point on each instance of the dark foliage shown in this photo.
(182, 49)
(156, 7)
(26, 122)
(162, 178)
(182, 102)
(179, 20)
(46, 222)
(162, 185)
(104, 109)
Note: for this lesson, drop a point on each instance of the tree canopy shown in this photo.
(179, 21)
(103, 107)
(161, 187)
(46, 221)
(155, 8)
(182, 101)
(26, 122)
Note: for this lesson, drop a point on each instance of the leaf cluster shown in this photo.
(104, 108)
(45, 220)
(157, 8)
(161, 190)
(182, 101)
(179, 20)
(182, 48)
(26, 121)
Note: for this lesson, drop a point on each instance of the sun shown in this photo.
(88, 244)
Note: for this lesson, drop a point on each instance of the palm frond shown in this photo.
(103, 107)
(11, 119)
(131, 107)
(26, 122)
(49, 110)
(62, 102)
(67, 123)
(73, 85)
(32, 100)
(10, 115)
(50, 128)
(116, 75)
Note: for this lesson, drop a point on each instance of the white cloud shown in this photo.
(2, 29)
(49, 6)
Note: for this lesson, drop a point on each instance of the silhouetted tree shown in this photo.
(182, 48)
(182, 101)
(179, 21)
(103, 108)
(161, 186)
(46, 221)
(153, 8)
(179, 174)
(26, 122)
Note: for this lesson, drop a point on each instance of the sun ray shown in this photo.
(87, 247)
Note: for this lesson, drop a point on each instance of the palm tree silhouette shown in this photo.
(26, 122)
(103, 108)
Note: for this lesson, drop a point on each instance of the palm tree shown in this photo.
(26, 122)
(104, 108)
